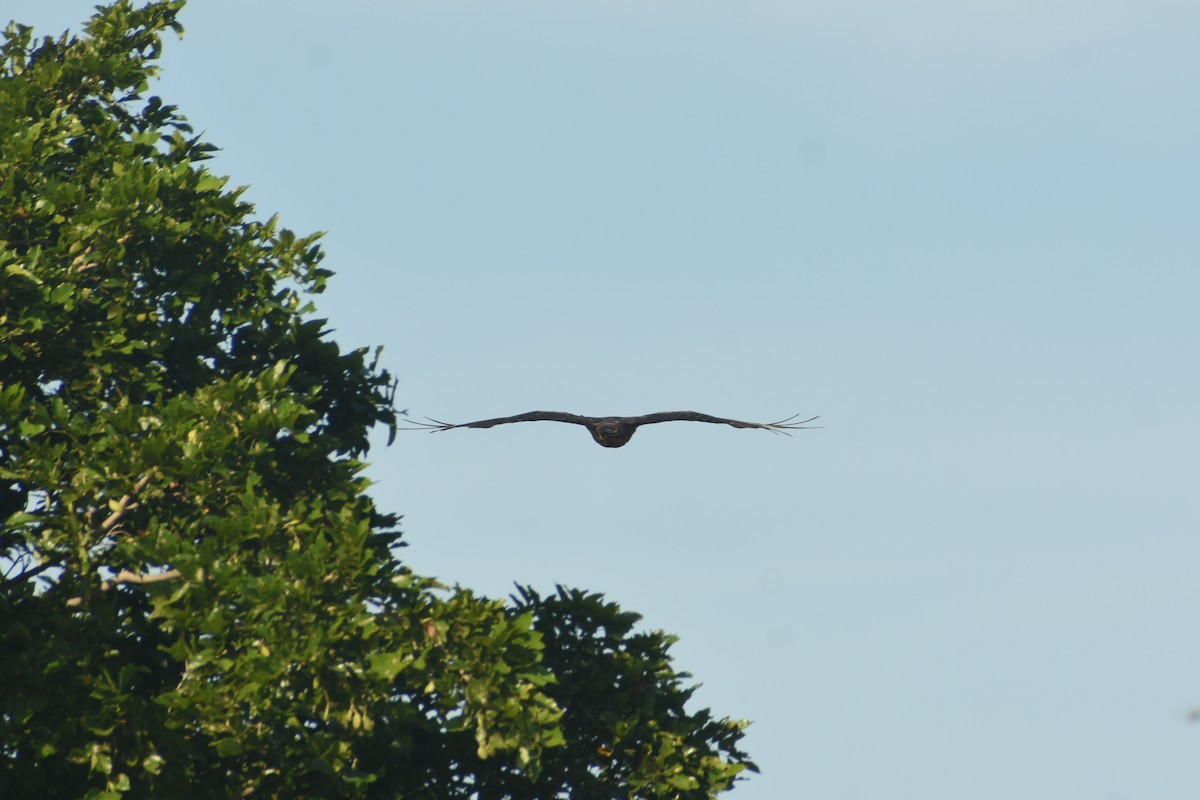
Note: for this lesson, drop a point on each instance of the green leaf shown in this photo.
(19, 518)
(101, 762)
(21, 272)
(62, 293)
(210, 183)
(389, 665)
(228, 746)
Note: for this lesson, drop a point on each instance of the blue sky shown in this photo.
(965, 234)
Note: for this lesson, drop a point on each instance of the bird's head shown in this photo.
(612, 432)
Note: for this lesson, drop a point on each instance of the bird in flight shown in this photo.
(614, 431)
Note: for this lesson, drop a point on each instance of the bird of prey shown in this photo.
(614, 431)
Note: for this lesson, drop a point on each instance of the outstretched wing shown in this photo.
(531, 416)
(783, 426)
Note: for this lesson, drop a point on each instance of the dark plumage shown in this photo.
(614, 431)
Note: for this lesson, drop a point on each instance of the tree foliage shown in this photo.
(200, 598)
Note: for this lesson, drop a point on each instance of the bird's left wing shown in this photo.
(782, 426)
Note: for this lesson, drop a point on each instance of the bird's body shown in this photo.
(614, 431)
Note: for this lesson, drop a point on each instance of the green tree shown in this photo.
(199, 597)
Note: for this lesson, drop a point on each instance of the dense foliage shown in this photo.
(199, 597)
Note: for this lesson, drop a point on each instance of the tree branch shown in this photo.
(128, 576)
(32, 572)
(124, 504)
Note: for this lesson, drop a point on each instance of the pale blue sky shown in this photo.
(965, 234)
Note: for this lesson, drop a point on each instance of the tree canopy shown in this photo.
(199, 596)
